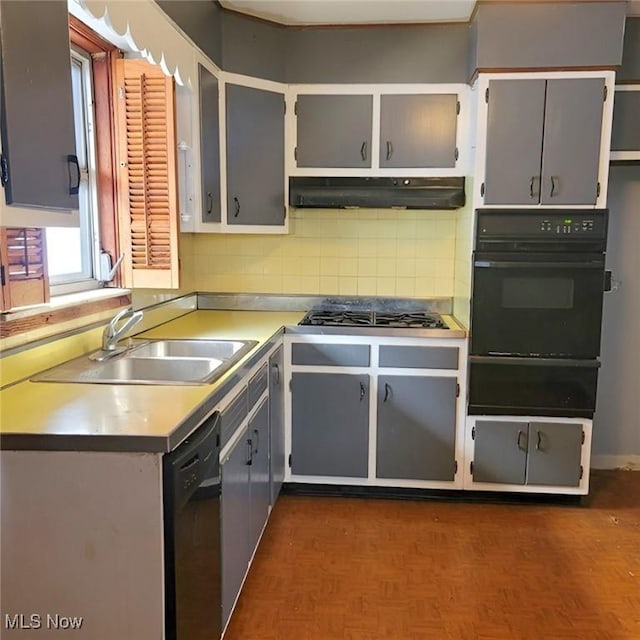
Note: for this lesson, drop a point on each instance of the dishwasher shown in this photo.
(191, 486)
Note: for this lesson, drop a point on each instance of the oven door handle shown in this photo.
(492, 264)
(535, 362)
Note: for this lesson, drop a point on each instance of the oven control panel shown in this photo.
(567, 225)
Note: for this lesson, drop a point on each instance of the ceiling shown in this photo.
(311, 12)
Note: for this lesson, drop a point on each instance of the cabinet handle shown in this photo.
(237, 204)
(387, 391)
(538, 440)
(209, 202)
(553, 187)
(531, 184)
(257, 441)
(363, 150)
(362, 392)
(389, 150)
(250, 452)
(74, 186)
(277, 370)
(521, 435)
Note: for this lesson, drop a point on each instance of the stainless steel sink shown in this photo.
(170, 362)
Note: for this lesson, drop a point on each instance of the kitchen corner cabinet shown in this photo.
(625, 136)
(39, 165)
(255, 156)
(544, 140)
(209, 146)
(527, 453)
(276, 421)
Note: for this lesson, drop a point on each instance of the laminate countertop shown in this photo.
(134, 418)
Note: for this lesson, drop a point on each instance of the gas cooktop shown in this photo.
(363, 318)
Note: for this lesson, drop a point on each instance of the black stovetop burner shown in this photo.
(401, 320)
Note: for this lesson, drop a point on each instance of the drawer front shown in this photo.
(257, 385)
(419, 357)
(233, 416)
(330, 355)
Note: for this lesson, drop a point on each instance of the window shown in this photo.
(72, 252)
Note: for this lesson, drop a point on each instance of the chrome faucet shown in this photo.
(112, 333)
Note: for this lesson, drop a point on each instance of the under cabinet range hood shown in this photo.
(377, 193)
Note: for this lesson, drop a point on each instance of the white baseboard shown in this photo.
(615, 462)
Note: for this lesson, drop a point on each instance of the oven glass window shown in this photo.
(537, 293)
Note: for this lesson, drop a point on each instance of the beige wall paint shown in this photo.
(346, 252)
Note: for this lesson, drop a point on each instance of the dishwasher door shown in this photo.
(191, 479)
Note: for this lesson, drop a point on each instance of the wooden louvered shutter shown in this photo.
(24, 267)
(147, 183)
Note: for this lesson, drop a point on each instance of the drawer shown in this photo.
(257, 385)
(419, 357)
(330, 355)
(232, 416)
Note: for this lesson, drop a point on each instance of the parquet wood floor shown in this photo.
(373, 569)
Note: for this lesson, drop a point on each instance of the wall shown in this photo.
(364, 252)
(616, 433)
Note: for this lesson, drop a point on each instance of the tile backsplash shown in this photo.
(363, 252)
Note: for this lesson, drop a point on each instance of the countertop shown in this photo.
(142, 418)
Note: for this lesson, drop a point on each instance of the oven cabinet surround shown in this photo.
(378, 130)
(625, 137)
(544, 139)
(375, 411)
(528, 454)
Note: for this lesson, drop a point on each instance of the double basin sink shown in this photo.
(186, 362)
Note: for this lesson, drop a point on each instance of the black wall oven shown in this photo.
(538, 282)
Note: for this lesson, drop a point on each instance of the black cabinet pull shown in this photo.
(277, 370)
(257, 441)
(237, 211)
(533, 181)
(362, 392)
(249, 452)
(607, 281)
(553, 187)
(74, 186)
(389, 150)
(538, 440)
(521, 435)
(363, 150)
(209, 202)
(387, 391)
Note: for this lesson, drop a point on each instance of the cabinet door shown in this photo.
(571, 148)
(514, 141)
(418, 130)
(276, 421)
(500, 452)
(259, 473)
(554, 454)
(334, 131)
(235, 509)
(625, 135)
(255, 156)
(209, 146)
(330, 424)
(37, 111)
(416, 427)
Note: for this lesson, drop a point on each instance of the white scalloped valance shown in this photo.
(140, 26)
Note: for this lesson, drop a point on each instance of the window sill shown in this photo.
(25, 324)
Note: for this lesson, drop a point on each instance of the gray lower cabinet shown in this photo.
(259, 473)
(534, 453)
(40, 167)
(334, 130)
(418, 130)
(330, 424)
(255, 156)
(543, 141)
(276, 421)
(209, 146)
(416, 427)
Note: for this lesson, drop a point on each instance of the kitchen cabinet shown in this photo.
(276, 422)
(260, 491)
(209, 146)
(418, 130)
(416, 427)
(39, 165)
(625, 136)
(255, 156)
(543, 141)
(330, 424)
(527, 453)
(334, 130)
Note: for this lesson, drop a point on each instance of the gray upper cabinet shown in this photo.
(330, 424)
(255, 156)
(38, 139)
(209, 146)
(334, 130)
(543, 141)
(418, 130)
(416, 427)
(626, 121)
